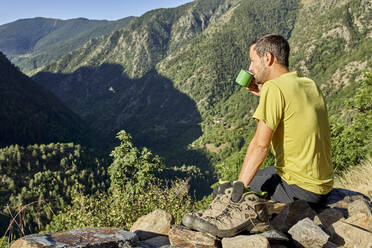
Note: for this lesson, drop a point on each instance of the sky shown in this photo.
(12, 10)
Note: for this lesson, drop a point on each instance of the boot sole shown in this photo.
(201, 225)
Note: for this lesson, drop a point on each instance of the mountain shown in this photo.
(120, 80)
(168, 76)
(30, 114)
(32, 43)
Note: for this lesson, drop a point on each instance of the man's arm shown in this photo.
(256, 153)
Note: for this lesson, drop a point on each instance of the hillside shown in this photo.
(30, 114)
(119, 71)
(33, 43)
(119, 81)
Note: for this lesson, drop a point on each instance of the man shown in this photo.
(292, 116)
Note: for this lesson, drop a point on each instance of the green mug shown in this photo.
(244, 78)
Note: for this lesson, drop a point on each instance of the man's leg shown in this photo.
(258, 183)
(298, 193)
(267, 180)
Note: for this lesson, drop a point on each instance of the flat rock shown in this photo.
(362, 220)
(158, 241)
(153, 224)
(291, 214)
(80, 238)
(182, 237)
(246, 241)
(328, 216)
(359, 206)
(342, 198)
(275, 237)
(308, 234)
(349, 235)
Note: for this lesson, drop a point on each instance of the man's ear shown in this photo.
(269, 58)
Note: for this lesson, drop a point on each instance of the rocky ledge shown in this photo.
(345, 222)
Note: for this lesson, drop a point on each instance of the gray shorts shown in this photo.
(268, 180)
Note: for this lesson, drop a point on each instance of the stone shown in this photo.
(275, 237)
(80, 238)
(153, 224)
(362, 220)
(291, 214)
(182, 237)
(308, 234)
(341, 198)
(328, 216)
(359, 206)
(246, 241)
(158, 241)
(330, 245)
(349, 235)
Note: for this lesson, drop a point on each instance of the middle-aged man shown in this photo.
(292, 116)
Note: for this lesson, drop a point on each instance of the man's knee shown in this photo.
(266, 182)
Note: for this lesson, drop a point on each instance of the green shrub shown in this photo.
(122, 208)
(134, 191)
(4, 242)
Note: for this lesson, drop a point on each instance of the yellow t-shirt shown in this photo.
(294, 108)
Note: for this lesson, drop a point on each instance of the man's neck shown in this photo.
(277, 70)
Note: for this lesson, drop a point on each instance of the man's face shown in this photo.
(257, 66)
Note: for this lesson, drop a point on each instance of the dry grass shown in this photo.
(215, 149)
(358, 179)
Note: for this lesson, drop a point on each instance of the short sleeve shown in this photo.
(271, 106)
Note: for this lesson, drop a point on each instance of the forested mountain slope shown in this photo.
(32, 43)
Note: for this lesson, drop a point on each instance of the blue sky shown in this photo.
(12, 10)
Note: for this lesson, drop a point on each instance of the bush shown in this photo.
(122, 209)
(134, 191)
(4, 242)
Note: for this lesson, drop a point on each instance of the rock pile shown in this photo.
(346, 222)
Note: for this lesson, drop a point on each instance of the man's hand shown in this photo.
(254, 87)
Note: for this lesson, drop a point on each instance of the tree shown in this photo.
(131, 167)
(351, 139)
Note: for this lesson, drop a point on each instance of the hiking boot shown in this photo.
(233, 191)
(249, 214)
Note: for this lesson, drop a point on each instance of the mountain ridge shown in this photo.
(34, 42)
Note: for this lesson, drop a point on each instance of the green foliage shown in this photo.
(131, 167)
(4, 243)
(352, 135)
(122, 209)
(134, 191)
(49, 177)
